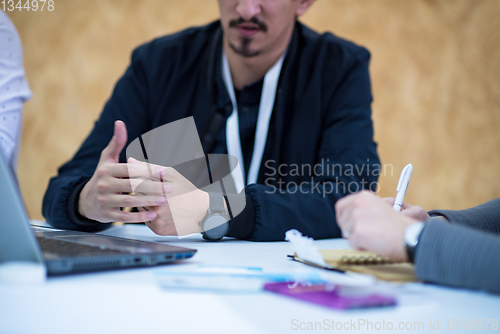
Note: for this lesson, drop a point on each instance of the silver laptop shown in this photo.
(64, 251)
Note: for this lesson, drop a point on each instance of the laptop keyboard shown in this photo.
(66, 248)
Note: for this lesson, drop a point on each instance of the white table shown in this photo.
(131, 301)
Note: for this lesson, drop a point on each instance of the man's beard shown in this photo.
(244, 50)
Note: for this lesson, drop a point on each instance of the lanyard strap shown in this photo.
(264, 116)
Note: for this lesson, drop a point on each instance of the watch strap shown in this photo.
(412, 236)
(216, 208)
(216, 203)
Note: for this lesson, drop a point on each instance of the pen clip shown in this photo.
(405, 175)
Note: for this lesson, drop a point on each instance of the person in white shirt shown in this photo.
(14, 89)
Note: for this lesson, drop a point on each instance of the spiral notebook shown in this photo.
(365, 263)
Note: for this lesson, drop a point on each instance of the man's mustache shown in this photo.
(236, 22)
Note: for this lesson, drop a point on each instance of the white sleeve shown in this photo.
(14, 89)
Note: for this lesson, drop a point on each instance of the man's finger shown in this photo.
(131, 217)
(389, 200)
(134, 201)
(138, 186)
(146, 169)
(135, 170)
(117, 143)
(416, 212)
(342, 204)
(406, 206)
(148, 187)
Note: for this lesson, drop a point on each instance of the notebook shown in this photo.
(66, 252)
(365, 263)
(343, 260)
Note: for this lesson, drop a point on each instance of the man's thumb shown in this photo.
(117, 143)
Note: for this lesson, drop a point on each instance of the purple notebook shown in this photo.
(333, 296)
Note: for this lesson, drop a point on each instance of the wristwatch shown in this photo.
(215, 225)
(412, 234)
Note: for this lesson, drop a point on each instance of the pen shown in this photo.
(404, 179)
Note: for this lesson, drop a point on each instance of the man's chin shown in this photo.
(244, 50)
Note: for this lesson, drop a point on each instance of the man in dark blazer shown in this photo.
(318, 146)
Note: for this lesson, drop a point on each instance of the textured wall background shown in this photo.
(435, 73)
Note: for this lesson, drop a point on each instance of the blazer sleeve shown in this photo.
(458, 256)
(346, 147)
(129, 103)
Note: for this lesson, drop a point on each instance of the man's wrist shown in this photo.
(80, 207)
(72, 208)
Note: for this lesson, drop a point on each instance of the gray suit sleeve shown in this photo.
(458, 256)
(485, 217)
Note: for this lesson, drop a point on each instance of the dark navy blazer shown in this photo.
(321, 118)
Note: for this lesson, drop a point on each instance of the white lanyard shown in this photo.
(264, 116)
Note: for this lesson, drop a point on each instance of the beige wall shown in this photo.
(435, 72)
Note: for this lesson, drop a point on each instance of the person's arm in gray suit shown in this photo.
(484, 217)
(464, 252)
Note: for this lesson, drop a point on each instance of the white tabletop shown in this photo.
(132, 301)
